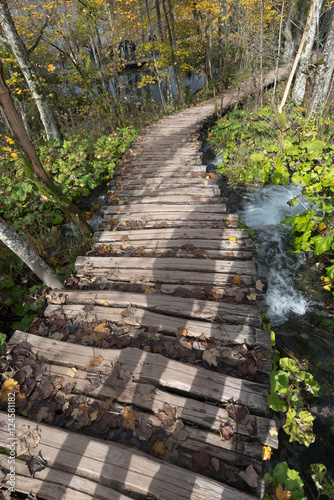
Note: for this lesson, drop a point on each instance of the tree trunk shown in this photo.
(161, 31)
(288, 45)
(172, 41)
(23, 250)
(324, 74)
(305, 58)
(279, 49)
(20, 52)
(34, 168)
(293, 70)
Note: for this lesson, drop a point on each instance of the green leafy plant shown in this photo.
(284, 484)
(324, 487)
(290, 387)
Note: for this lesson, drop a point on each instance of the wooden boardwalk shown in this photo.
(148, 377)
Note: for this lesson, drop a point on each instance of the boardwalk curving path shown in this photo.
(148, 376)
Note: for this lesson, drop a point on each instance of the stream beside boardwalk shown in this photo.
(297, 308)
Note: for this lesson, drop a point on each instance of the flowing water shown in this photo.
(296, 308)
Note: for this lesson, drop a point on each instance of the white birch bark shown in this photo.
(23, 250)
(20, 52)
(305, 58)
(324, 74)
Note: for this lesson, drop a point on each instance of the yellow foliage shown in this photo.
(9, 386)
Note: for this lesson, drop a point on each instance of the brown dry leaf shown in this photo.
(282, 494)
(27, 439)
(93, 415)
(125, 314)
(226, 432)
(230, 255)
(250, 476)
(215, 464)
(72, 372)
(237, 280)
(120, 210)
(125, 238)
(158, 349)
(239, 296)
(44, 415)
(149, 291)
(237, 412)
(259, 285)
(96, 361)
(158, 448)
(36, 463)
(9, 386)
(210, 356)
(167, 416)
(129, 418)
(201, 460)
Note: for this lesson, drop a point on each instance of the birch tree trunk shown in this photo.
(305, 58)
(324, 74)
(23, 250)
(20, 52)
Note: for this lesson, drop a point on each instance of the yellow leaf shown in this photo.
(149, 291)
(273, 431)
(129, 418)
(158, 448)
(96, 361)
(101, 327)
(51, 68)
(183, 332)
(266, 453)
(282, 494)
(105, 304)
(8, 387)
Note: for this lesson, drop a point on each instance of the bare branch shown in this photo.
(38, 39)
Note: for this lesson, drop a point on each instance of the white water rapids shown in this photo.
(262, 210)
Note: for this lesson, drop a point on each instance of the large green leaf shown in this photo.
(322, 244)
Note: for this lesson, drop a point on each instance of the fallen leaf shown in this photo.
(167, 416)
(273, 431)
(158, 448)
(210, 356)
(105, 304)
(266, 453)
(215, 464)
(149, 291)
(226, 432)
(282, 494)
(182, 331)
(8, 387)
(237, 280)
(44, 415)
(101, 328)
(259, 286)
(27, 439)
(251, 296)
(120, 210)
(96, 361)
(36, 463)
(57, 336)
(237, 412)
(129, 418)
(250, 476)
(72, 372)
(201, 460)
(93, 415)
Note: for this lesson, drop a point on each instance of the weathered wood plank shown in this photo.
(183, 210)
(192, 265)
(224, 333)
(226, 219)
(206, 190)
(111, 463)
(170, 199)
(54, 484)
(233, 235)
(186, 308)
(155, 369)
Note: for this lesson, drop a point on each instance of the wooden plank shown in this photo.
(224, 333)
(205, 191)
(171, 199)
(166, 209)
(53, 484)
(186, 308)
(155, 369)
(192, 265)
(158, 249)
(154, 181)
(122, 224)
(158, 172)
(173, 216)
(191, 235)
(112, 463)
